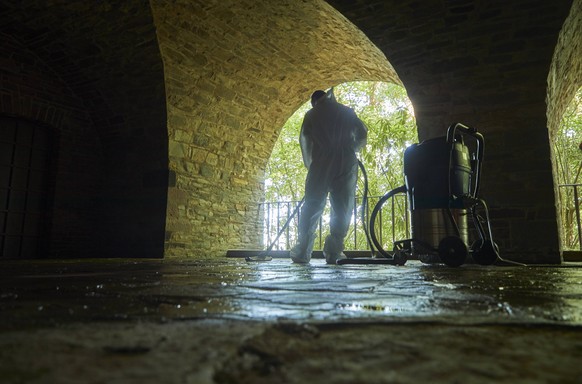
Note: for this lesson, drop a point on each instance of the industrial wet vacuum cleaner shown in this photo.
(442, 177)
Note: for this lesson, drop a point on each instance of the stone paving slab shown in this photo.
(48, 293)
(228, 321)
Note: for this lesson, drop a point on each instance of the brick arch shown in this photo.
(235, 71)
(484, 63)
(565, 75)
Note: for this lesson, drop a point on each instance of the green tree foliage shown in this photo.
(568, 159)
(387, 111)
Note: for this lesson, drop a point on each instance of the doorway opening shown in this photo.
(388, 113)
(25, 154)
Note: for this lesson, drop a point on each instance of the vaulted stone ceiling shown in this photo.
(248, 65)
(465, 60)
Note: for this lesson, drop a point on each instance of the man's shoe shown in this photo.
(332, 258)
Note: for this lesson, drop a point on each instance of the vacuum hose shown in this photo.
(373, 242)
(365, 205)
(377, 208)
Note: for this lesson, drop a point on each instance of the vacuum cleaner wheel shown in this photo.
(400, 257)
(485, 253)
(453, 251)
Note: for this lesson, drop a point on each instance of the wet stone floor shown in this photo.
(223, 320)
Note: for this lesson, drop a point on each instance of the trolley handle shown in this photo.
(451, 133)
(453, 128)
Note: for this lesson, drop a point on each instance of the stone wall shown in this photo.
(30, 90)
(235, 71)
(565, 77)
(485, 64)
(104, 58)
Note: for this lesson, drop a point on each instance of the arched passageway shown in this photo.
(184, 99)
(235, 71)
(565, 77)
(486, 65)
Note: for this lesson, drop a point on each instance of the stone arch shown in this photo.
(235, 71)
(565, 76)
(484, 64)
(199, 89)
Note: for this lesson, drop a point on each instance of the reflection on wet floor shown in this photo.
(225, 320)
(56, 292)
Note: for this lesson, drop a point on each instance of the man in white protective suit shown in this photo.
(331, 134)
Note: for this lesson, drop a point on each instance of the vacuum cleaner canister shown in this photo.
(434, 174)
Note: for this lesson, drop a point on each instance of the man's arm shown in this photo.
(360, 134)
(306, 143)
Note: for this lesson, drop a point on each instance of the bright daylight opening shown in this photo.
(389, 116)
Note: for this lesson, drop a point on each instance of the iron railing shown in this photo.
(569, 195)
(392, 223)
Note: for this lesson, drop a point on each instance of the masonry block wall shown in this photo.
(565, 76)
(93, 74)
(485, 64)
(30, 91)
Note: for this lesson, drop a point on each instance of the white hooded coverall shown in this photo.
(331, 134)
